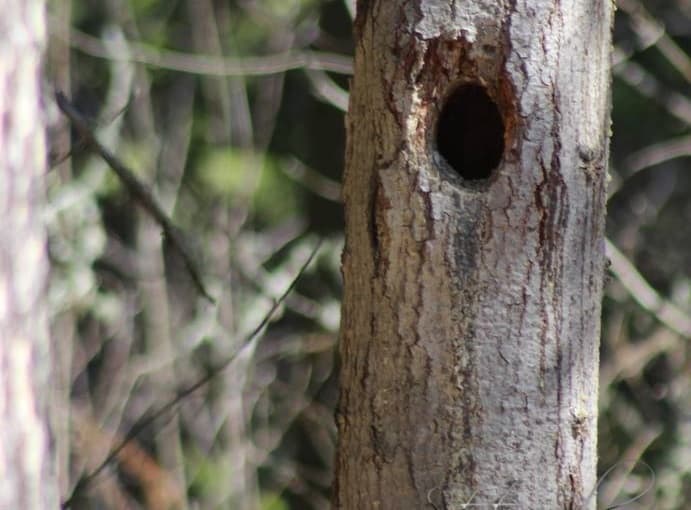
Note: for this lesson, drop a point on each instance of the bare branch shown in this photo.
(640, 290)
(648, 86)
(630, 359)
(137, 189)
(327, 90)
(209, 64)
(148, 420)
(651, 32)
(312, 180)
(659, 153)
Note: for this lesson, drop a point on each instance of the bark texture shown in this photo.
(26, 474)
(471, 312)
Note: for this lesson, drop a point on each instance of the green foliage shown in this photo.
(270, 501)
(232, 174)
(207, 474)
(287, 9)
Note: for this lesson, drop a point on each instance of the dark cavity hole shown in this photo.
(470, 133)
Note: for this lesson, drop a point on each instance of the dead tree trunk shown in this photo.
(475, 197)
(26, 477)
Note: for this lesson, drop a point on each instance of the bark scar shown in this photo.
(379, 228)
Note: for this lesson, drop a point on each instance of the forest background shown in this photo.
(231, 114)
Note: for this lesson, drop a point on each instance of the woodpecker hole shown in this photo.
(470, 133)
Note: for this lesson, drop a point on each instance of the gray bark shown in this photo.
(26, 471)
(471, 309)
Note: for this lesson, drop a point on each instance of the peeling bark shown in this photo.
(471, 311)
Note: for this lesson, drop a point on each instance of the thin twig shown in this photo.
(147, 420)
(620, 472)
(212, 65)
(312, 180)
(659, 153)
(640, 290)
(327, 90)
(630, 359)
(647, 85)
(136, 188)
(649, 156)
(56, 160)
(651, 32)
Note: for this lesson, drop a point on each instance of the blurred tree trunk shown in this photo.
(475, 198)
(26, 470)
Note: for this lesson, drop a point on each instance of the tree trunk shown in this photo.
(26, 471)
(475, 197)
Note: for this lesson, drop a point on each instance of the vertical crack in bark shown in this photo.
(376, 205)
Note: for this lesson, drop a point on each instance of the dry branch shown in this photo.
(211, 65)
(640, 290)
(147, 420)
(137, 189)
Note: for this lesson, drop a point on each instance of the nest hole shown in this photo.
(470, 133)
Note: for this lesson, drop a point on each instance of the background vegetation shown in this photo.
(231, 113)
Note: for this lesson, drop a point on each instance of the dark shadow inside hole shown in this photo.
(470, 132)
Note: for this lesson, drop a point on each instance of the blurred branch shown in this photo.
(640, 290)
(620, 472)
(327, 90)
(630, 359)
(57, 159)
(136, 188)
(58, 70)
(652, 32)
(161, 492)
(350, 6)
(147, 420)
(659, 153)
(649, 156)
(312, 180)
(209, 64)
(646, 84)
(206, 39)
